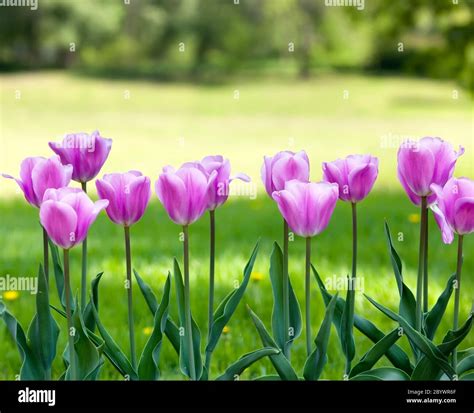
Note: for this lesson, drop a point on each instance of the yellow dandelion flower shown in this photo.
(11, 295)
(226, 330)
(147, 330)
(414, 218)
(257, 276)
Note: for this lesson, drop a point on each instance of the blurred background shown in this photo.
(175, 80)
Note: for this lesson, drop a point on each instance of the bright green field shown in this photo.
(147, 131)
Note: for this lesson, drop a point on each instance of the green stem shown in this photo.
(131, 329)
(457, 294)
(70, 325)
(354, 240)
(425, 268)
(84, 263)
(308, 295)
(286, 297)
(211, 282)
(421, 265)
(187, 304)
(45, 256)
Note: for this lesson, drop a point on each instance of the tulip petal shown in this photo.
(107, 191)
(60, 221)
(137, 199)
(173, 195)
(361, 180)
(446, 231)
(416, 165)
(464, 215)
(50, 173)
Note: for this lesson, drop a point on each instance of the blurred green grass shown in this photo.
(170, 123)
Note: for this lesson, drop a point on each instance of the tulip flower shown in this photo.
(38, 174)
(355, 175)
(87, 154)
(67, 215)
(307, 207)
(420, 165)
(128, 195)
(454, 213)
(184, 194)
(218, 194)
(275, 172)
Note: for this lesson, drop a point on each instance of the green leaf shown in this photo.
(237, 368)
(278, 325)
(148, 365)
(279, 361)
(468, 377)
(375, 353)
(43, 332)
(317, 359)
(87, 355)
(116, 355)
(383, 373)
(268, 377)
(227, 307)
(407, 308)
(419, 340)
(31, 367)
(89, 320)
(395, 354)
(433, 318)
(347, 323)
(465, 365)
(426, 369)
(59, 275)
(196, 334)
(171, 331)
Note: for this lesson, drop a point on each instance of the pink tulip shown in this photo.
(284, 167)
(37, 174)
(423, 163)
(86, 153)
(355, 176)
(307, 206)
(184, 193)
(128, 195)
(454, 207)
(219, 190)
(67, 215)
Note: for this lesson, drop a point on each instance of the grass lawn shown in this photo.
(170, 123)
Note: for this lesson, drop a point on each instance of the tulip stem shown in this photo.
(421, 265)
(70, 326)
(212, 248)
(187, 304)
(84, 262)
(45, 256)
(354, 239)
(131, 330)
(286, 297)
(457, 294)
(425, 269)
(308, 295)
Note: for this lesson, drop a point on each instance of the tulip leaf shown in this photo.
(115, 354)
(383, 373)
(279, 361)
(317, 359)
(468, 377)
(87, 355)
(43, 332)
(419, 340)
(465, 365)
(89, 320)
(347, 323)
(229, 304)
(59, 275)
(407, 308)
(395, 354)
(237, 368)
(278, 325)
(427, 369)
(434, 316)
(148, 365)
(268, 377)
(171, 331)
(31, 366)
(196, 334)
(375, 353)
